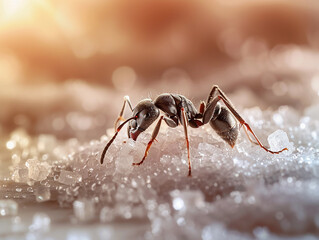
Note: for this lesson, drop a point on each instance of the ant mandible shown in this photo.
(177, 110)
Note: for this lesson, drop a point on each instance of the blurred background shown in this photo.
(66, 65)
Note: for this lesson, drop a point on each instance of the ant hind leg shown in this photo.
(216, 95)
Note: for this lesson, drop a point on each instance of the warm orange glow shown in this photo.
(60, 40)
(13, 9)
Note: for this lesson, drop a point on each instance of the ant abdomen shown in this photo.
(226, 126)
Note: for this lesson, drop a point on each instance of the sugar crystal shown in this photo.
(278, 140)
(20, 175)
(38, 170)
(69, 178)
(42, 194)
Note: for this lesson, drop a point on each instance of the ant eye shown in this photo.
(147, 115)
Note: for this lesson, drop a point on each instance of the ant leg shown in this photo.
(212, 95)
(212, 110)
(259, 143)
(184, 123)
(120, 117)
(222, 96)
(195, 122)
(215, 92)
(249, 138)
(154, 134)
(202, 107)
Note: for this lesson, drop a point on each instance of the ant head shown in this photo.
(145, 114)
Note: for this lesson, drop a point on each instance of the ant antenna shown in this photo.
(113, 138)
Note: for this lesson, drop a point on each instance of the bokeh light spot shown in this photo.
(123, 78)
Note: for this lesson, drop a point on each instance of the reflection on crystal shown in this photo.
(78, 234)
(219, 232)
(178, 203)
(8, 208)
(41, 222)
(42, 194)
(84, 209)
(17, 224)
(106, 214)
(11, 144)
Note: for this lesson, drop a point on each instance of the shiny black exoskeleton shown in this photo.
(177, 109)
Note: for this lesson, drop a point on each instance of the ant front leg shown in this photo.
(154, 135)
(120, 117)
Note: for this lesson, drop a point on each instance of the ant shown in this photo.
(177, 110)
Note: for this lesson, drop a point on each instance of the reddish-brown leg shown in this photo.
(202, 107)
(243, 123)
(260, 144)
(249, 138)
(218, 93)
(154, 134)
(184, 123)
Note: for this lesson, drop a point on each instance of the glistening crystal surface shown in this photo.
(240, 193)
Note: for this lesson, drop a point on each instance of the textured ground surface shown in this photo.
(242, 193)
